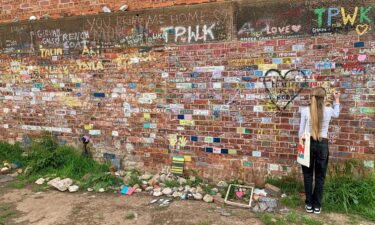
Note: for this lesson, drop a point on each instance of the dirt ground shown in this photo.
(30, 206)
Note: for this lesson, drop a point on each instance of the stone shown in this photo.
(215, 190)
(149, 188)
(40, 181)
(90, 189)
(222, 184)
(187, 188)
(262, 206)
(270, 202)
(73, 188)
(54, 181)
(218, 198)
(192, 178)
(167, 191)
(272, 189)
(4, 170)
(145, 177)
(154, 180)
(256, 208)
(101, 190)
(182, 181)
(138, 190)
(180, 188)
(208, 198)
(193, 190)
(162, 177)
(157, 193)
(198, 196)
(136, 186)
(176, 194)
(199, 189)
(63, 185)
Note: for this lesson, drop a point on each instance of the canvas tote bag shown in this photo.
(303, 156)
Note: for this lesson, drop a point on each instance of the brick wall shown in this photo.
(220, 83)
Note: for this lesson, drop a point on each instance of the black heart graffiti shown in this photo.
(283, 89)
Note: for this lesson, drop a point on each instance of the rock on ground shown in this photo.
(40, 181)
(63, 185)
(198, 196)
(73, 188)
(167, 191)
(208, 198)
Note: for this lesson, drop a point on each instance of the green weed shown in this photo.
(130, 216)
(350, 190)
(17, 184)
(171, 183)
(290, 184)
(292, 201)
(291, 218)
(206, 222)
(6, 213)
(103, 180)
(11, 153)
(48, 159)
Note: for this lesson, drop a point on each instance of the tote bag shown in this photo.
(303, 156)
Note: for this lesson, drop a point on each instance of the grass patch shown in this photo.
(130, 216)
(6, 213)
(11, 153)
(291, 218)
(350, 189)
(171, 183)
(47, 158)
(290, 184)
(292, 201)
(17, 184)
(205, 222)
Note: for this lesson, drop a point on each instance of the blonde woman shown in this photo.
(317, 117)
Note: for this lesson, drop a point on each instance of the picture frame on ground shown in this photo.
(239, 195)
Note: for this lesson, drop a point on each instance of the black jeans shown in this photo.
(319, 155)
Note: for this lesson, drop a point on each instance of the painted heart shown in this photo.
(283, 89)
(361, 57)
(361, 29)
(239, 194)
(296, 28)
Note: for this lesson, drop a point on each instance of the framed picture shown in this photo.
(239, 195)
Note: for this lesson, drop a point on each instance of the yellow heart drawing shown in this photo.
(361, 29)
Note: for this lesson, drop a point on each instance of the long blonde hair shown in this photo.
(316, 111)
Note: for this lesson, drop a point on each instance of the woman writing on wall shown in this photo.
(317, 117)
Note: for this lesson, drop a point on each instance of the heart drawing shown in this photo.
(283, 89)
(361, 29)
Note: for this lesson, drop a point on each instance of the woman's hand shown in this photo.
(336, 95)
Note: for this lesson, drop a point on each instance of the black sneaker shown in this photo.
(309, 209)
(316, 210)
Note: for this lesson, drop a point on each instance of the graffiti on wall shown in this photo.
(176, 81)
